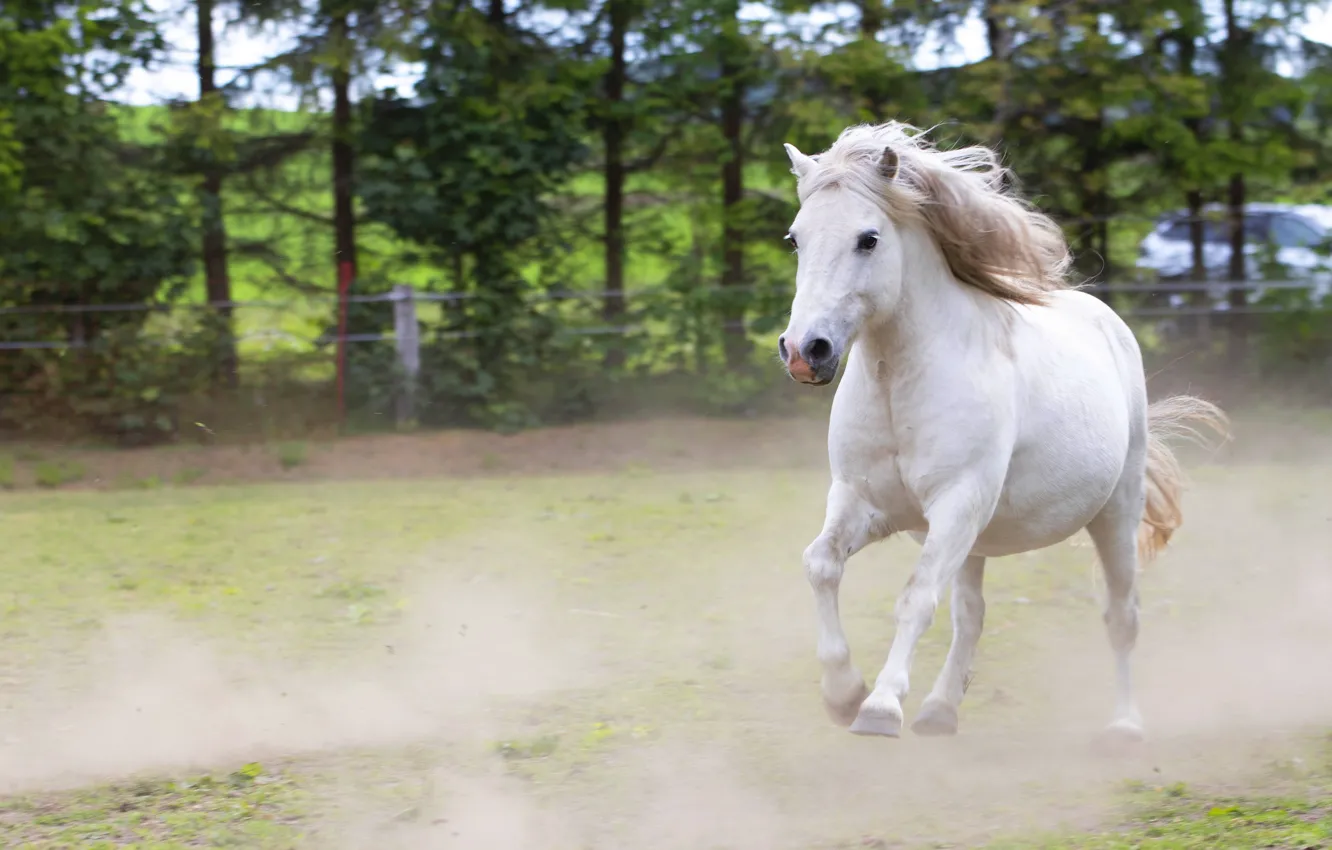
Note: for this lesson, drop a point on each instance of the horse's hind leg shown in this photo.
(1115, 533)
(938, 714)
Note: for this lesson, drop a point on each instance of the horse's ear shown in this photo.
(800, 164)
(888, 164)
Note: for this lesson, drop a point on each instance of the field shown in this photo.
(601, 637)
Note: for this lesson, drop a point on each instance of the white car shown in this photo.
(1295, 238)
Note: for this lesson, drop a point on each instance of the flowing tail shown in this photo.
(1168, 418)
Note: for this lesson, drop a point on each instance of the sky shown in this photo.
(238, 47)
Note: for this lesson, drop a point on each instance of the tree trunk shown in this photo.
(1233, 57)
(455, 313)
(344, 215)
(217, 281)
(1201, 324)
(1196, 235)
(1236, 298)
(1000, 39)
(733, 192)
(871, 19)
(1103, 233)
(613, 307)
(1091, 260)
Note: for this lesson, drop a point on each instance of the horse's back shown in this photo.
(1078, 342)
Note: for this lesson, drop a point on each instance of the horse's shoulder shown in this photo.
(1080, 306)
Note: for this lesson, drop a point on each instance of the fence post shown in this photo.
(408, 342)
(346, 273)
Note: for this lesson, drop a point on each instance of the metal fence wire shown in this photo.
(1181, 301)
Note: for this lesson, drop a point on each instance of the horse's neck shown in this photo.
(936, 316)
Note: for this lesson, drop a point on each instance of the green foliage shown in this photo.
(113, 235)
(292, 454)
(51, 53)
(465, 169)
(81, 225)
(128, 385)
(188, 476)
(6, 471)
(468, 164)
(54, 473)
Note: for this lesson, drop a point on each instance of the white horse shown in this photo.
(987, 407)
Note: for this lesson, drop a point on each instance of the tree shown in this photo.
(340, 40)
(733, 55)
(1251, 97)
(117, 235)
(713, 70)
(217, 280)
(615, 124)
(466, 168)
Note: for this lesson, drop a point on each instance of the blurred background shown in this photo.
(231, 219)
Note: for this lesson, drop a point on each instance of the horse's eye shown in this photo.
(790, 237)
(867, 242)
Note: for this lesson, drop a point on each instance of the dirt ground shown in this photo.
(660, 445)
(600, 637)
(1263, 435)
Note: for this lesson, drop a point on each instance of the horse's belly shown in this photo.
(1035, 512)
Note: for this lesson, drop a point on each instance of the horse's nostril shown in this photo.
(781, 346)
(817, 351)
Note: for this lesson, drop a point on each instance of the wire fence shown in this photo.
(285, 366)
(1176, 292)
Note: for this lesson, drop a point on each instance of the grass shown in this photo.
(245, 808)
(252, 808)
(291, 454)
(188, 476)
(617, 655)
(54, 473)
(1176, 818)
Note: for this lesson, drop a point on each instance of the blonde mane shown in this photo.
(991, 239)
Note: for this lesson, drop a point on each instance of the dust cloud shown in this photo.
(149, 694)
(1232, 669)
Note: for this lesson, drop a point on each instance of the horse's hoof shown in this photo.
(878, 720)
(1119, 737)
(936, 718)
(844, 713)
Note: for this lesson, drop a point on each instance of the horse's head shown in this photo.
(884, 214)
(848, 269)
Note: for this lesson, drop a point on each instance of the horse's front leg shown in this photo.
(955, 521)
(849, 525)
(938, 713)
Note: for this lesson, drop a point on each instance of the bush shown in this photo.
(127, 385)
(291, 454)
(54, 473)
